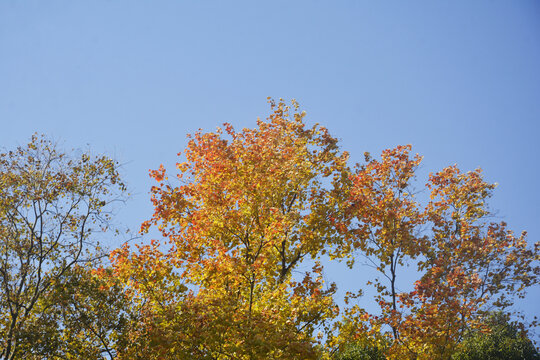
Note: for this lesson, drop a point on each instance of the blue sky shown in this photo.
(460, 81)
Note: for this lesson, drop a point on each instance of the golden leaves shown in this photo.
(462, 257)
(50, 205)
(252, 205)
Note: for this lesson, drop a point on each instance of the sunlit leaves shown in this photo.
(248, 207)
(467, 264)
(50, 205)
(248, 218)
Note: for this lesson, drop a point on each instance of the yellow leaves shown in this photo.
(464, 257)
(50, 205)
(250, 208)
(253, 204)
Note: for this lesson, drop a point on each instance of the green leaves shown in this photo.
(499, 339)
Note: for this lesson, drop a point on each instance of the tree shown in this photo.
(499, 340)
(51, 206)
(472, 265)
(387, 222)
(250, 207)
(84, 316)
(360, 352)
(467, 264)
(246, 215)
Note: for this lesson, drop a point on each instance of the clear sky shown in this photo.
(458, 80)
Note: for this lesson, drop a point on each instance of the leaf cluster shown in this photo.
(247, 220)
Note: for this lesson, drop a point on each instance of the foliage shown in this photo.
(361, 353)
(467, 264)
(81, 317)
(244, 218)
(250, 207)
(500, 340)
(50, 206)
(364, 349)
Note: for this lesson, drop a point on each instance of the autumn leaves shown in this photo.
(249, 207)
(51, 207)
(240, 220)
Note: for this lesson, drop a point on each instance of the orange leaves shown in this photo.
(250, 190)
(249, 207)
(381, 199)
(466, 263)
(465, 194)
(159, 174)
(252, 205)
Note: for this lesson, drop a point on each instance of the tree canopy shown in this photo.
(248, 221)
(52, 206)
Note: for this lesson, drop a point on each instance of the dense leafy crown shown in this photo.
(247, 223)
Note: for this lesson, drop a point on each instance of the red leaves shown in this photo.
(466, 263)
(249, 208)
(159, 174)
(251, 205)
